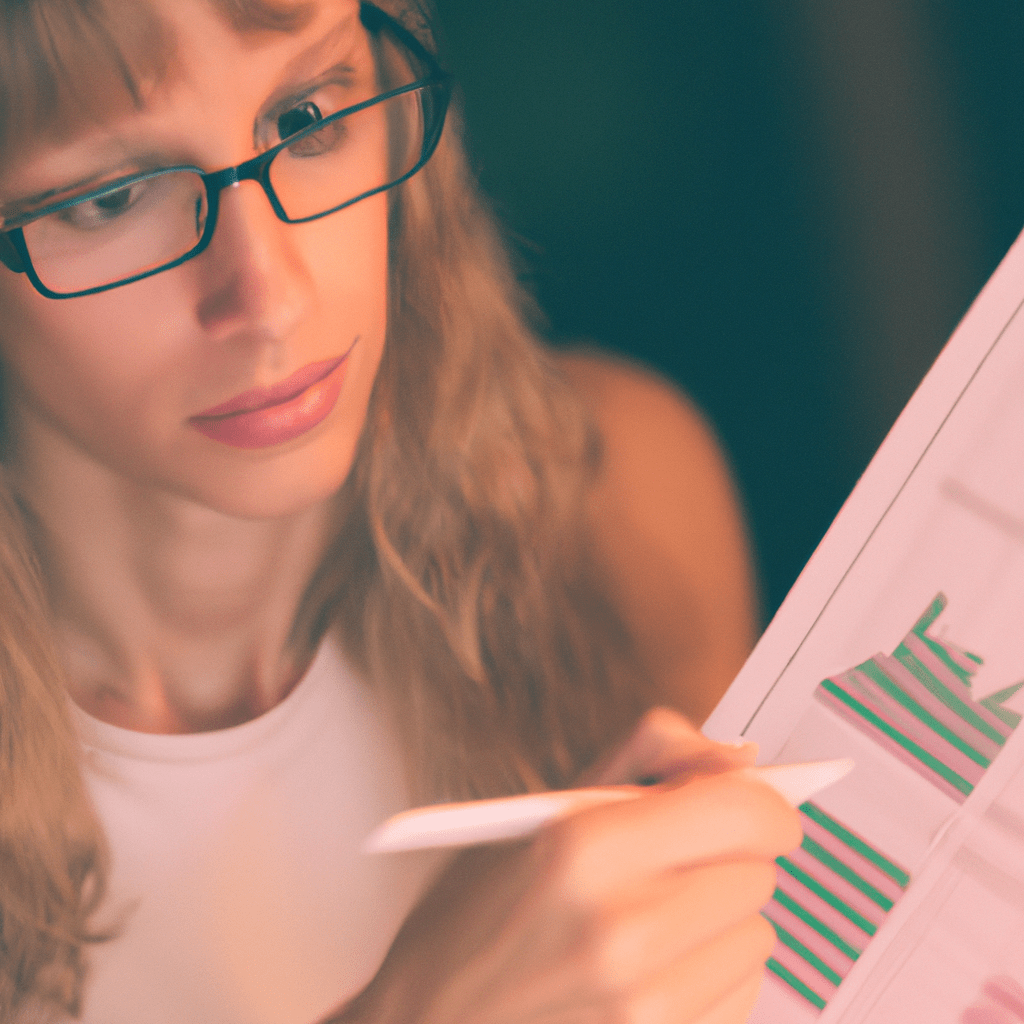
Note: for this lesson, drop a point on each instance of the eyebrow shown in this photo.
(295, 72)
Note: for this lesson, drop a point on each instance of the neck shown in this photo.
(170, 616)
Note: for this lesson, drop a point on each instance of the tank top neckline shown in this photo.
(217, 743)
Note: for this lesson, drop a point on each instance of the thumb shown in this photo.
(666, 747)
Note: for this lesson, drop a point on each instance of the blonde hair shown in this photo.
(464, 535)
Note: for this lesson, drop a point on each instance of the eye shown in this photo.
(95, 213)
(294, 120)
(328, 138)
(117, 202)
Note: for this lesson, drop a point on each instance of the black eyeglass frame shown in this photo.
(435, 91)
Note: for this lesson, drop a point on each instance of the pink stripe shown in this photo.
(916, 645)
(818, 944)
(868, 871)
(913, 687)
(958, 655)
(804, 971)
(934, 664)
(904, 756)
(838, 886)
(851, 683)
(824, 912)
(911, 727)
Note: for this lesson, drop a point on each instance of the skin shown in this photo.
(176, 566)
(176, 563)
(667, 524)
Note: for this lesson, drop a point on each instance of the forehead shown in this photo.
(66, 66)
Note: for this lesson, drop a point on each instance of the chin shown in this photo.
(270, 484)
(275, 495)
(275, 481)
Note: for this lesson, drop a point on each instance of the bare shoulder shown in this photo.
(629, 400)
(667, 523)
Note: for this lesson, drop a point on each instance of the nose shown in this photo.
(252, 279)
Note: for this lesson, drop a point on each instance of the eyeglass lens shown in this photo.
(136, 228)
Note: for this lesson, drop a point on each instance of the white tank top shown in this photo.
(237, 864)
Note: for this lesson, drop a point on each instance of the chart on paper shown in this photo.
(909, 658)
(917, 708)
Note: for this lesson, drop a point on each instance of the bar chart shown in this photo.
(925, 564)
(833, 894)
(916, 705)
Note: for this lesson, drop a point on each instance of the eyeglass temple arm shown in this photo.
(9, 255)
(374, 19)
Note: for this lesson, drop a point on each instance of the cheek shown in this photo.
(119, 373)
(80, 359)
(349, 264)
(352, 288)
(348, 259)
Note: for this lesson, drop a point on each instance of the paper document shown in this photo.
(901, 646)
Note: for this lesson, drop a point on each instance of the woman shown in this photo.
(294, 503)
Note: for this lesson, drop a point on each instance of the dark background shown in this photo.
(784, 206)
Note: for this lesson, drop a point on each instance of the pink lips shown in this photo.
(265, 416)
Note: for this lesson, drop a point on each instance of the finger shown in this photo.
(735, 1007)
(606, 849)
(674, 914)
(664, 744)
(712, 977)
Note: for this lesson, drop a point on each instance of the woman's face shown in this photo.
(163, 383)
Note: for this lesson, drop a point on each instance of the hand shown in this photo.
(666, 748)
(643, 912)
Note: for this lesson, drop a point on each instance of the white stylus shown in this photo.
(513, 817)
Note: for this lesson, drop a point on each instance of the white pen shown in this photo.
(513, 817)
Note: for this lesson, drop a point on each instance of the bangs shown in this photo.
(65, 61)
(68, 62)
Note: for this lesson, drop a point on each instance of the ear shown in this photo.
(9, 255)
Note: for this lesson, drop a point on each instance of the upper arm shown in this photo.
(668, 531)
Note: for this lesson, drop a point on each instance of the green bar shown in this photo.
(938, 648)
(794, 982)
(820, 854)
(932, 612)
(819, 890)
(994, 702)
(953, 701)
(891, 687)
(855, 843)
(1011, 718)
(809, 956)
(940, 652)
(909, 745)
(787, 901)
(1005, 694)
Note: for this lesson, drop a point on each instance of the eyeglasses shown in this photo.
(142, 224)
